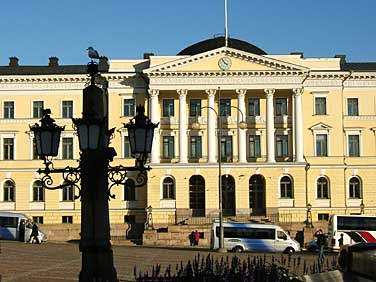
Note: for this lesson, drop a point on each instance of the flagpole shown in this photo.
(226, 30)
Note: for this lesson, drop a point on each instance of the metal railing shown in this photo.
(184, 219)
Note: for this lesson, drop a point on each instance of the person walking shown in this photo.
(34, 235)
(321, 243)
(196, 237)
(192, 238)
(340, 240)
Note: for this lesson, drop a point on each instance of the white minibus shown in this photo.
(10, 227)
(254, 237)
(352, 229)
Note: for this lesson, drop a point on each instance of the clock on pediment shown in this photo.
(224, 63)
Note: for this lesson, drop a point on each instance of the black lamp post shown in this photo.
(243, 125)
(94, 172)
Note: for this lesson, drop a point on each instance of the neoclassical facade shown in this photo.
(289, 131)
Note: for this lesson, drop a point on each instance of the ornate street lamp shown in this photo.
(140, 133)
(89, 133)
(47, 136)
(94, 172)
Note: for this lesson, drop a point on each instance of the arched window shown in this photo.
(9, 191)
(38, 191)
(197, 195)
(168, 189)
(129, 190)
(322, 188)
(286, 187)
(355, 188)
(68, 193)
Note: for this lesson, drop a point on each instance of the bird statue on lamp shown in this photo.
(92, 53)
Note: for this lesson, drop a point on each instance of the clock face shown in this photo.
(224, 63)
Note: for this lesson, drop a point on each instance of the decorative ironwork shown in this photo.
(119, 175)
(71, 176)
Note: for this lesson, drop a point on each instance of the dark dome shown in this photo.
(218, 42)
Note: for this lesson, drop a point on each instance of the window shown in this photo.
(168, 108)
(281, 107)
(38, 107)
(254, 146)
(194, 107)
(253, 106)
(322, 188)
(68, 193)
(282, 146)
(129, 190)
(129, 218)
(352, 107)
(168, 147)
(286, 187)
(168, 188)
(225, 107)
(195, 147)
(320, 105)
(197, 193)
(67, 147)
(127, 148)
(353, 143)
(8, 149)
(38, 191)
(38, 219)
(321, 145)
(9, 191)
(128, 107)
(355, 188)
(67, 219)
(226, 149)
(323, 216)
(67, 108)
(8, 110)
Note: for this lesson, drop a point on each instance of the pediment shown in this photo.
(240, 62)
(320, 126)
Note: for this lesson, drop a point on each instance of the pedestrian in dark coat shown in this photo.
(34, 235)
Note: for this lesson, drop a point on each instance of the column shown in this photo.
(183, 144)
(298, 134)
(270, 155)
(242, 142)
(212, 144)
(155, 118)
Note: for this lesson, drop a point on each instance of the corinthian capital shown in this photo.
(182, 92)
(153, 92)
(298, 91)
(241, 92)
(269, 92)
(211, 92)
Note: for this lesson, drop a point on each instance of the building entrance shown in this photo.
(228, 195)
(257, 195)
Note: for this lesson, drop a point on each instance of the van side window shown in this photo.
(248, 233)
(281, 235)
(6, 221)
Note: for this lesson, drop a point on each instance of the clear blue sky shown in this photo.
(34, 30)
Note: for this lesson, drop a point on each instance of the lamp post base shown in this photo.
(222, 250)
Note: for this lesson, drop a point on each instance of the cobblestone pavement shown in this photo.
(62, 261)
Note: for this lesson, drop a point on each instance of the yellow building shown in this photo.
(310, 138)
